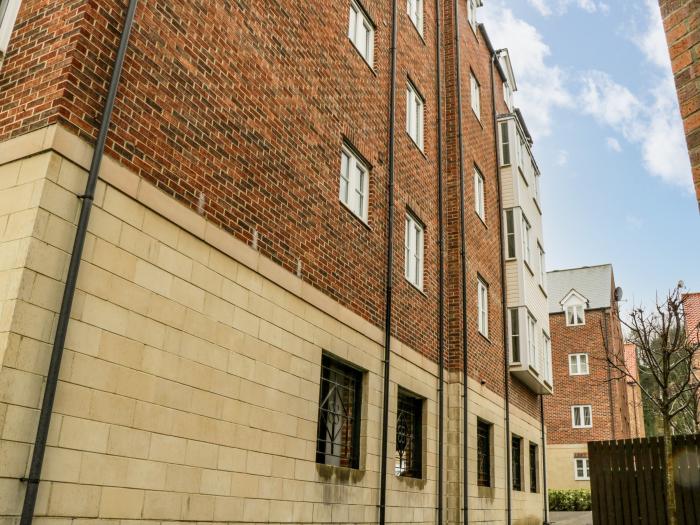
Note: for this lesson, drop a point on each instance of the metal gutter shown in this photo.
(71, 280)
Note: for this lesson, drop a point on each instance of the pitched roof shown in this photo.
(593, 282)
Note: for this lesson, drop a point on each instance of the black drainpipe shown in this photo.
(389, 266)
(545, 494)
(465, 349)
(506, 360)
(71, 280)
(441, 271)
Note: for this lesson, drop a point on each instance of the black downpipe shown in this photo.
(389, 265)
(545, 494)
(71, 280)
(465, 349)
(441, 271)
(506, 360)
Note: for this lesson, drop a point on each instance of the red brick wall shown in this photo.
(593, 389)
(682, 25)
(244, 106)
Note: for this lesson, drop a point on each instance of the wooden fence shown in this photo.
(627, 481)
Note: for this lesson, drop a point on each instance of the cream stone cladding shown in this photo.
(189, 384)
(488, 504)
(525, 281)
(560, 466)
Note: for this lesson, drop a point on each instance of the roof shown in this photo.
(593, 282)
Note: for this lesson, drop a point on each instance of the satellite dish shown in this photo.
(618, 294)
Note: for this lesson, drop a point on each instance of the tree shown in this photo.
(669, 378)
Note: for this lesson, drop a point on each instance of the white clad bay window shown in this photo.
(415, 13)
(581, 416)
(413, 251)
(8, 15)
(354, 183)
(414, 115)
(483, 307)
(479, 205)
(531, 341)
(361, 32)
(471, 12)
(505, 144)
(525, 232)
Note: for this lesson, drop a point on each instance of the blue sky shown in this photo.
(596, 89)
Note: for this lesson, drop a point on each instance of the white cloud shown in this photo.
(559, 7)
(613, 144)
(652, 40)
(541, 86)
(562, 157)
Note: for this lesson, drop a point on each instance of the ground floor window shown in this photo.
(582, 469)
(534, 461)
(516, 453)
(483, 453)
(409, 426)
(339, 414)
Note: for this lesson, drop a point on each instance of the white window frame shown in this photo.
(479, 202)
(415, 109)
(575, 318)
(414, 243)
(585, 468)
(531, 341)
(526, 230)
(353, 192)
(576, 362)
(510, 233)
(414, 8)
(358, 19)
(505, 143)
(471, 13)
(508, 95)
(581, 410)
(514, 335)
(7, 22)
(475, 95)
(543, 273)
(483, 307)
(547, 351)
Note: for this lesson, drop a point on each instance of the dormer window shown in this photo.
(575, 315)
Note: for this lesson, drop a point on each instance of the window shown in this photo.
(476, 96)
(516, 452)
(508, 96)
(479, 194)
(510, 235)
(414, 115)
(361, 32)
(8, 14)
(354, 181)
(415, 13)
(514, 335)
(483, 305)
(534, 460)
(531, 342)
(339, 414)
(537, 183)
(409, 428)
(575, 315)
(543, 273)
(578, 364)
(483, 453)
(547, 350)
(413, 252)
(526, 239)
(505, 145)
(471, 13)
(582, 469)
(581, 416)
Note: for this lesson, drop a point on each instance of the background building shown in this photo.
(634, 393)
(225, 356)
(681, 21)
(591, 401)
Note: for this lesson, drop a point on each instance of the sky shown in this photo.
(596, 90)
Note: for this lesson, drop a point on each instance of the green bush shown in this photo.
(569, 500)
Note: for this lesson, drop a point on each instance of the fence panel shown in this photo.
(628, 481)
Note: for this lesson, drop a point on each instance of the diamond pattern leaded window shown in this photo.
(483, 453)
(408, 436)
(339, 415)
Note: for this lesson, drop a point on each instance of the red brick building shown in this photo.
(590, 402)
(682, 24)
(226, 352)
